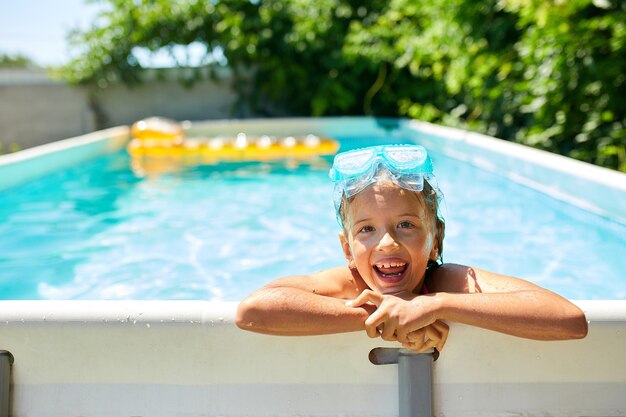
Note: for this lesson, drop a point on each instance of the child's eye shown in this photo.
(405, 225)
(366, 229)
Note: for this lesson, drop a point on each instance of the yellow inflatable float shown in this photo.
(164, 139)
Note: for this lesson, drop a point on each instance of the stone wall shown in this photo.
(36, 109)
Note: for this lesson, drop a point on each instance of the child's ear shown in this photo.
(347, 253)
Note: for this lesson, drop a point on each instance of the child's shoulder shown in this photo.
(453, 278)
(340, 282)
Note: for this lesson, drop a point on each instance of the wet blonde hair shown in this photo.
(428, 196)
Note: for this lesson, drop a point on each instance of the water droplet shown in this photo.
(148, 325)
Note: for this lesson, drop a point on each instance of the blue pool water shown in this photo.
(98, 231)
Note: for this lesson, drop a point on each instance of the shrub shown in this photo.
(547, 74)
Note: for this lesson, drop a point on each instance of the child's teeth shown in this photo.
(390, 265)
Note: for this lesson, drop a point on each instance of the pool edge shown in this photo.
(587, 186)
(32, 163)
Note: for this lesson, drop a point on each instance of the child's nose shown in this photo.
(387, 242)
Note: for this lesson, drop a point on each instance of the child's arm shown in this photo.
(506, 304)
(305, 305)
(478, 298)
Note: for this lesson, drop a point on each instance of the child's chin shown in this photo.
(387, 288)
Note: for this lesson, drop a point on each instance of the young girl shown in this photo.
(394, 286)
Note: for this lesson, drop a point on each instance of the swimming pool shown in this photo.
(99, 230)
(170, 357)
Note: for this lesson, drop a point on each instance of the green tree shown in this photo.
(573, 56)
(548, 74)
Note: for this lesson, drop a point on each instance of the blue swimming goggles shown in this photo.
(406, 165)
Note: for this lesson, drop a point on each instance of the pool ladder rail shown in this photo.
(6, 361)
(415, 376)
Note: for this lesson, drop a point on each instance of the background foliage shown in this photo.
(546, 73)
(15, 61)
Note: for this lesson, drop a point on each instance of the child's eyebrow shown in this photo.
(417, 216)
(365, 220)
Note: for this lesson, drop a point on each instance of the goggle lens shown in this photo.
(353, 162)
(405, 156)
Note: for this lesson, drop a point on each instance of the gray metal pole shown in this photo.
(415, 384)
(6, 360)
(415, 379)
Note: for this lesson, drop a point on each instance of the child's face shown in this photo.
(389, 238)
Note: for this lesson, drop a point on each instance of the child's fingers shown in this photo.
(420, 347)
(389, 331)
(432, 336)
(416, 339)
(443, 330)
(388, 334)
(375, 325)
(374, 331)
(367, 296)
(429, 344)
(380, 324)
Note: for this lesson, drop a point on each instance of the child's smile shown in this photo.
(389, 238)
(391, 271)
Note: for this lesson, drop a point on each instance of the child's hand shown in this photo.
(404, 318)
(432, 336)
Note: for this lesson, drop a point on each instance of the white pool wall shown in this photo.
(19, 167)
(596, 189)
(187, 358)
